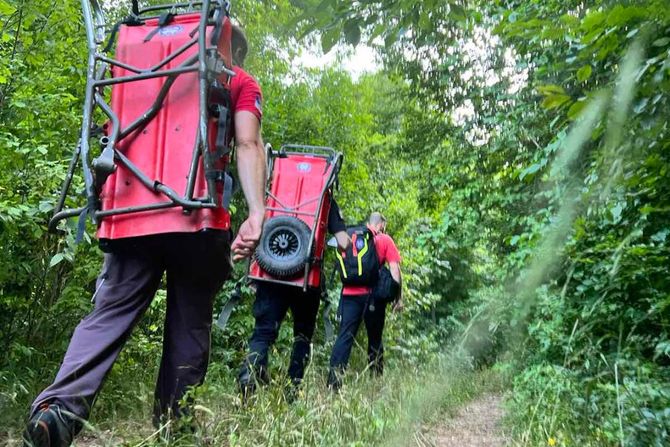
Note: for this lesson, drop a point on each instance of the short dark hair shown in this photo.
(238, 41)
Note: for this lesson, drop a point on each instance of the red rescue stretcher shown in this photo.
(165, 146)
(298, 199)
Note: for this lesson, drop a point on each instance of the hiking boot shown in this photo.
(334, 380)
(249, 380)
(51, 426)
(247, 387)
(292, 391)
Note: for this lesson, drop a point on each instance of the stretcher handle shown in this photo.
(153, 8)
(307, 149)
(94, 21)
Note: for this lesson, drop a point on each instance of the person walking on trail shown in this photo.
(269, 309)
(371, 250)
(196, 265)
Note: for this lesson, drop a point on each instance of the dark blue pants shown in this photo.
(271, 305)
(354, 309)
(196, 264)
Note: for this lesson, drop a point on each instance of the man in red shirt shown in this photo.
(355, 306)
(272, 303)
(196, 264)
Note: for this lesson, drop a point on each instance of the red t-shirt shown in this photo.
(386, 252)
(245, 93)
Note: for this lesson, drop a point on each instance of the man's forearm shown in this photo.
(251, 172)
(396, 274)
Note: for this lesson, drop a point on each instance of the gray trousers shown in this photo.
(196, 265)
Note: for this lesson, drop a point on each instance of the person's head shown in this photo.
(377, 222)
(239, 46)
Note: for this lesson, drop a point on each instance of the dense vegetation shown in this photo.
(520, 150)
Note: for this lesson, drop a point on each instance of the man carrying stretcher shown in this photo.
(196, 259)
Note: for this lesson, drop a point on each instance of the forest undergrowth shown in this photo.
(521, 153)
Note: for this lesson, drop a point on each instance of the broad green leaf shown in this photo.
(593, 20)
(584, 73)
(352, 32)
(662, 42)
(551, 89)
(376, 32)
(6, 9)
(641, 105)
(330, 38)
(554, 101)
(56, 259)
(457, 12)
(46, 206)
(391, 37)
(620, 15)
(576, 109)
(530, 170)
(424, 21)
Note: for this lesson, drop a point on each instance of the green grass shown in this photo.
(390, 410)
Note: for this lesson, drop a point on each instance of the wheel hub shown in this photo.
(284, 243)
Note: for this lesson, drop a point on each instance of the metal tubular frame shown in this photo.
(335, 159)
(95, 172)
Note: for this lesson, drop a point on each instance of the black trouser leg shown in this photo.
(305, 308)
(374, 324)
(351, 308)
(197, 266)
(269, 311)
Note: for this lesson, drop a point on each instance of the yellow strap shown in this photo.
(344, 270)
(360, 257)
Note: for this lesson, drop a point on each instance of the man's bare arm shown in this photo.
(396, 274)
(343, 240)
(251, 164)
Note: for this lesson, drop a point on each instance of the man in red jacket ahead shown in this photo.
(196, 263)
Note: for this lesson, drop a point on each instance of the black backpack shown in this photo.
(359, 265)
(387, 290)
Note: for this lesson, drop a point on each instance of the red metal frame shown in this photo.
(206, 53)
(300, 181)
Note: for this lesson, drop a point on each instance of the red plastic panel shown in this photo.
(164, 148)
(297, 184)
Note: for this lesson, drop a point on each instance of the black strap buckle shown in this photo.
(164, 19)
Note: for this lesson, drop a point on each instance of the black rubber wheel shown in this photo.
(282, 250)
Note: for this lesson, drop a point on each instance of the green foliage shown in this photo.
(591, 342)
(520, 152)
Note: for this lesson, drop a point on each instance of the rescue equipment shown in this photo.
(359, 264)
(300, 182)
(164, 149)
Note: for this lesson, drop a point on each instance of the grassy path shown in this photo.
(477, 424)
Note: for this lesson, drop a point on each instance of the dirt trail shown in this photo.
(478, 424)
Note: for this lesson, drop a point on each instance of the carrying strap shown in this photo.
(223, 126)
(235, 297)
(81, 225)
(219, 106)
(325, 315)
(163, 20)
(90, 208)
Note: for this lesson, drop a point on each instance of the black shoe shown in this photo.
(249, 380)
(292, 391)
(51, 426)
(247, 387)
(334, 380)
